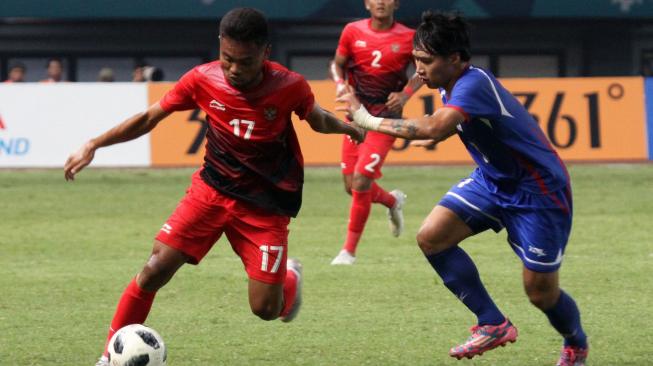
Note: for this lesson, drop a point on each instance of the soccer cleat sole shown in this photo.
(470, 356)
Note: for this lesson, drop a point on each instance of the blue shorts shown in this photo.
(538, 225)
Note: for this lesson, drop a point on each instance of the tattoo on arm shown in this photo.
(412, 129)
(407, 126)
(396, 124)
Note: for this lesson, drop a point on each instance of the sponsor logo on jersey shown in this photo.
(217, 105)
(537, 251)
(270, 113)
(395, 47)
(166, 228)
(360, 43)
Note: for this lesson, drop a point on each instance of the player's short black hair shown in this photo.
(443, 34)
(245, 25)
(53, 59)
(18, 65)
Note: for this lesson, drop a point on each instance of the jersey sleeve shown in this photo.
(475, 97)
(305, 99)
(181, 96)
(344, 44)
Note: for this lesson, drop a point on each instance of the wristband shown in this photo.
(365, 120)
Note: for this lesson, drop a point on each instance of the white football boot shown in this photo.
(395, 214)
(103, 361)
(343, 258)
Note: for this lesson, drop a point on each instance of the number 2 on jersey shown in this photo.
(237, 122)
(377, 57)
(265, 251)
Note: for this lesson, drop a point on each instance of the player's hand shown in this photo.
(423, 143)
(78, 160)
(396, 102)
(341, 88)
(349, 101)
(357, 135)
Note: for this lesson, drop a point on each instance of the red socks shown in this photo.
(289, 292)
(133, 307)
(361, 204)
(379, 195)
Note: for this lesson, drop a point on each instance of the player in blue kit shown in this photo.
(520, 184)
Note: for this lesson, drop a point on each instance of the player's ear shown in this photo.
(367, 5)
(268, 50)
(454, 58)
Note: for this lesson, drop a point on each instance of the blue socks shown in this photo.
(565, 318)
(461, 277)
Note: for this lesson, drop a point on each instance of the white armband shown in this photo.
(365, 120)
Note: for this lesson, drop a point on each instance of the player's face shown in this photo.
(17, 74)
(435, 71)
(55, 69)
(242, 62)
(381, 9)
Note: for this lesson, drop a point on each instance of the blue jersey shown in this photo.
(512, 152)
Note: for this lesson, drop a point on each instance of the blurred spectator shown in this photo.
(152, 73)
(54, 70)
(106, 75)
(16, 73)
(137, 74)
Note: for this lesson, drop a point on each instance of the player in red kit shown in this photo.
(374, 54)
(251, 180)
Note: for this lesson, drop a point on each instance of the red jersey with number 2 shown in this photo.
(252, 151)
(377, 60)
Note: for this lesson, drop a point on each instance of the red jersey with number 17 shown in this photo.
(376, 60)
(252, 151)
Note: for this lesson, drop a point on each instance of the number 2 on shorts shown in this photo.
(265, 250)
(375, 160)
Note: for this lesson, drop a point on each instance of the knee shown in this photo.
(154, 275)
(266, 311)
(542, 298)
(424, 242)
(430, 243)
(361, 183)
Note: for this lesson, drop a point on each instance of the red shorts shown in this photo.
(258, 237)
(367, 157)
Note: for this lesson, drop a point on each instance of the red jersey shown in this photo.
(252, 151)
(377, 60)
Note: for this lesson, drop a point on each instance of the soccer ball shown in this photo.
(137, 345)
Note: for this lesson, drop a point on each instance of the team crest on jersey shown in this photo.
(395, 47)
(270, 113)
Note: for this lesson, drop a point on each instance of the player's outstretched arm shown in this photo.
(130, 129)
(436, 127)
(323, 121)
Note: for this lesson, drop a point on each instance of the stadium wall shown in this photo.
(586, 119)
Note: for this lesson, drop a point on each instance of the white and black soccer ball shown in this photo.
(137, 345)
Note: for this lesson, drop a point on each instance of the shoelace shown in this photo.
(476, 330)
(567, 357)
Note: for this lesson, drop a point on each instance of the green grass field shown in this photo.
(67, 250)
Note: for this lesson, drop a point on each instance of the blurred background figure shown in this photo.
(16, 73)
(54, 68)
(137, 74)
(106, 75)
(153, 73)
